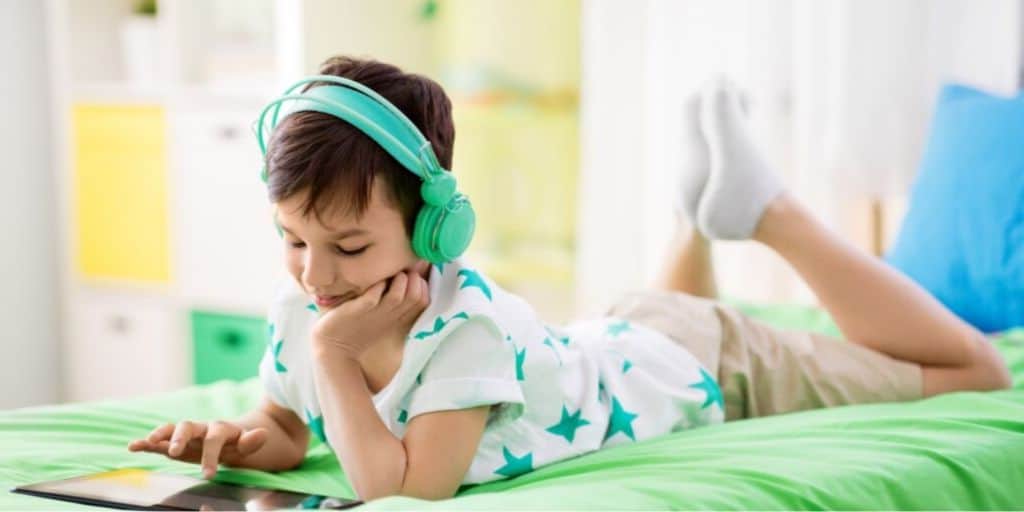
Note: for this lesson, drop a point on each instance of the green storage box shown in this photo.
(226, 346)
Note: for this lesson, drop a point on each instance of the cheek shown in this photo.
(386, 263)
(374, 269)
(401, 255)
(293, 261)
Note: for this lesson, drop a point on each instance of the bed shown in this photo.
(960, 451)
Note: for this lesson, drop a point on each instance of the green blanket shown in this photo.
(961, 451)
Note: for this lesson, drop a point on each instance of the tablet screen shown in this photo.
(141, 488)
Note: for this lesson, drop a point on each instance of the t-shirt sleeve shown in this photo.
(271, 380)
(472, 366)
(271, 369)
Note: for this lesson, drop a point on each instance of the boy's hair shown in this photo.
(337, 163)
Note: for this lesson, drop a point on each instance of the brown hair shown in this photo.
(337, 163)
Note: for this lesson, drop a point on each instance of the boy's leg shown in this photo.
(872, 304)
(689, 268)
(876, 306)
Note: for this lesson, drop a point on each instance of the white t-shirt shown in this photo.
(559, 392)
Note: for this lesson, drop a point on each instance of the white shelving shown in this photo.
(214, 63)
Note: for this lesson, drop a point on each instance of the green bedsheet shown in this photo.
(962, 451)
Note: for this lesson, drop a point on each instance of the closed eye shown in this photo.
(355, 252)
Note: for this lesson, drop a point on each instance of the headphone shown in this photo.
(445, 224)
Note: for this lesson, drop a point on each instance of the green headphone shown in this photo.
(445, 223)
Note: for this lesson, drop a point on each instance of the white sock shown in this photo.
(695, 164)
(740, 184)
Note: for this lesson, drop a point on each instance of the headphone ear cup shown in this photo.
(441, 234)
(423, 231)
(456, 230)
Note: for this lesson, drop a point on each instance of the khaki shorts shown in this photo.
(763, 370)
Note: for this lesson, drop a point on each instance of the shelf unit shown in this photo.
(166, 244)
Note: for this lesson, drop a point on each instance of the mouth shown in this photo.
(324, 301)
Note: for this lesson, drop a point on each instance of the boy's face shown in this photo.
(344, 257)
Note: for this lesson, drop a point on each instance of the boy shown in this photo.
(424, 377)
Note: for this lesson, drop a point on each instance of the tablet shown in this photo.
(134, 488)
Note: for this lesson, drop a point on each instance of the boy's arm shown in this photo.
(429, 463)
(287, 438)
(439, 449)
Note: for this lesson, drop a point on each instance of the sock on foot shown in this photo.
(740, 183)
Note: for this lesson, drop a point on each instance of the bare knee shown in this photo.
(995, 374)
(985, 371)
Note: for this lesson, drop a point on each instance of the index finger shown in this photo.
(371, 297)
(394, 297)
(217, 434)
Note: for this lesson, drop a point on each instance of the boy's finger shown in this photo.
(412, 292)
(371, 297)
(421, 266)
(193, 451)
(250, 441)
(217, 434)
(160, 447)
(163, 447)
(396, 295)
(422, 292)
(142, 445)
(161, 433)
(185, 432)
(417, 298)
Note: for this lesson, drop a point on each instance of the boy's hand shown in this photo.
(359, 323)
(205, 443)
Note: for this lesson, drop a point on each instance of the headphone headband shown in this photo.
(363, 108)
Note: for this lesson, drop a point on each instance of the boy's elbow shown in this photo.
(428, 495)
(372, 490)
(378, 482)
(295, 455)
(296, 461)
(430, 488)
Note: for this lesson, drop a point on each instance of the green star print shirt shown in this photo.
(556, 392)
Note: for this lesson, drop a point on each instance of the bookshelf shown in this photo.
(167, 252)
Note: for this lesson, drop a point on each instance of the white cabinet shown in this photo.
(228, 253)
(124, 344)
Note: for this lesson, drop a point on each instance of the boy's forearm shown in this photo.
(373, 458)
(279, 453)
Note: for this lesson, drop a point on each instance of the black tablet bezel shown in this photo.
(83, 500)
(28, 490)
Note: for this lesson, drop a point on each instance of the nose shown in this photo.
(318, 272)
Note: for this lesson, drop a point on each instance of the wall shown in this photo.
(28, 295)
(840, 95)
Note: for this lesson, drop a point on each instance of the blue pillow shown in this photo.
(963, 236)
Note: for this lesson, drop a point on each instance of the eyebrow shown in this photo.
(338, 235)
